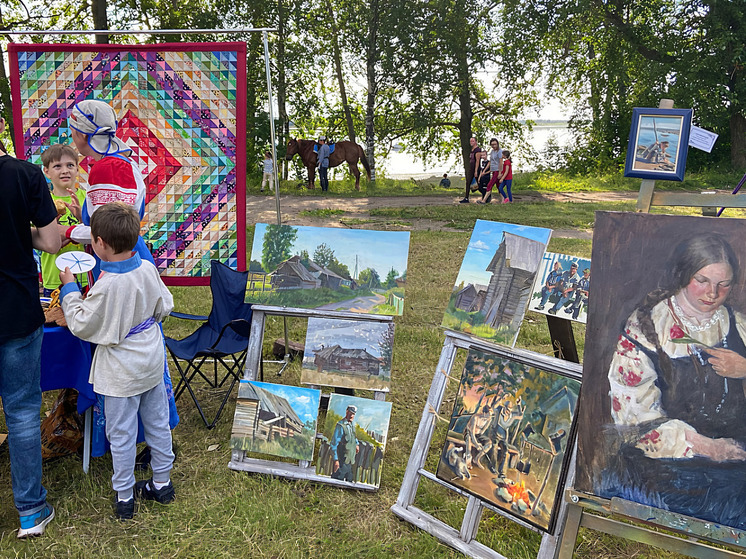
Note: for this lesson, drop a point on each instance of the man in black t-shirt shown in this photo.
(24, 199)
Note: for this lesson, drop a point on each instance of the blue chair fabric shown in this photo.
(221, 339)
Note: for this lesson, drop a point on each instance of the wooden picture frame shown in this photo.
(658, 144)
(509, 439)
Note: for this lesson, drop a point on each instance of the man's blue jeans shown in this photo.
(20, 388)
(324, 178)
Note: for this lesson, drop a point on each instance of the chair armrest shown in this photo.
(239, 326)
(186, 316)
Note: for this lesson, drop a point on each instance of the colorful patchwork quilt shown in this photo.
(182, 110)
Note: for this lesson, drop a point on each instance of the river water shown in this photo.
(404, 165)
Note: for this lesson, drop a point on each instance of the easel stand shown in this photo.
(464, 538)
(581, 507)
(303, 469)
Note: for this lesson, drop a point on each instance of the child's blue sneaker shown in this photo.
(35, 524)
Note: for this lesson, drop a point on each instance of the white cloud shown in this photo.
(479, 245)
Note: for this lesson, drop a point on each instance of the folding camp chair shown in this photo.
(223, 338)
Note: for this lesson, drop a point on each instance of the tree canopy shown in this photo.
(429, 74)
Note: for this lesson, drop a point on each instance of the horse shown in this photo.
(344, 151)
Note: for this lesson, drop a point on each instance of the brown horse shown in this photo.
(344, 151)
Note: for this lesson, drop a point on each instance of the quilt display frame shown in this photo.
(181, 108)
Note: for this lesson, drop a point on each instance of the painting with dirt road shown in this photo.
(348, 353)
(510, 434)
(327, 268)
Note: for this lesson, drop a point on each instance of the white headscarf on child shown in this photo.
(98, 121)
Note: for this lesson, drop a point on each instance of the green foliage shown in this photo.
(278, 240)
(256, 266)
(324, 256)
(390, 281)
(369, 278)
(321, 212)
(304, 298)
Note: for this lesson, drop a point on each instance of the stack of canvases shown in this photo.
(281, 420)
(512, 423)
(310, 267)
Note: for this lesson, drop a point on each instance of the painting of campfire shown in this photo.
(509, 436)
(348, 353)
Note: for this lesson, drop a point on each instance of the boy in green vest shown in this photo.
(60, 164)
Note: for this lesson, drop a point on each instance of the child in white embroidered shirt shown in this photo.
(121, 315)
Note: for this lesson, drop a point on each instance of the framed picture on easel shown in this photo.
(658, 144)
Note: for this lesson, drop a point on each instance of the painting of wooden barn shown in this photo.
(494, 284)
(346, 360)
(513, 270)
(292, 274)
(328, 278)
(471, 297)
(275, 419)
(329, 268)
(348, 353)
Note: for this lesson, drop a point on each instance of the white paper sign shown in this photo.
(702, 139)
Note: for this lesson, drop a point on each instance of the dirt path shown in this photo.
(262, 209)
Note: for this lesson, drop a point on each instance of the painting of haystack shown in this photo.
(509, 435)
(275, 419)
(494, 283)
(348, 353)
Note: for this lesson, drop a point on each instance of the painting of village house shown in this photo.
(495, 280)
(354, 270)
(275, 419)
(348, 353)
(365, 459)
(509, 436)
(562, 286)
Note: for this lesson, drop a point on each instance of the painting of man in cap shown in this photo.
(344, 446)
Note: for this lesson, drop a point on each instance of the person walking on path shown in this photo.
(495, 168)
(322, 163)
(26, 199)
(475, 149)
(506, 180)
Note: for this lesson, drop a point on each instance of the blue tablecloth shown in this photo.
(66, 363)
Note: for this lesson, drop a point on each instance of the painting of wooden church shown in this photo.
(275, 419)
(494, 286)
(348, 353)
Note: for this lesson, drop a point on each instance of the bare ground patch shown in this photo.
(263, 209)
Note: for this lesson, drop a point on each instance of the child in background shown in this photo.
(506, 179)
(445, 182)
(121, 315)
(60, 165)
(268, 172)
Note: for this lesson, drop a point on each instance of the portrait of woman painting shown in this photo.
(662, 411)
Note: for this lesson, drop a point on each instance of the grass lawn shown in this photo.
(341, 183)
(222, 513)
